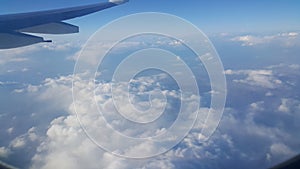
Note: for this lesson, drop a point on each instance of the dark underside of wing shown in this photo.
(14, 39)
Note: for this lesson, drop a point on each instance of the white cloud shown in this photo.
(161, 164)
(257, 106)
(294, 66)
(18, 91)
(32, 88)
(269, 94)
(280, 149)
(22, 140)
(67, 146)
(248, 40)
(57, 92)
(24, 69)
(31, 133)
(16, 54)
(293, 34)
(175, 43)
(229, 72)
(10, 130)
(4, 59)
(284, 39)
(23, 54)
(265, 140)
(283, 106)
(68, 142)
(18, 142)
(18, 51)
(4, 152)
(60, 45)
(262, 78)
(90, 54)
(289, 106)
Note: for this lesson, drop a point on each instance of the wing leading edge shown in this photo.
(13, 27)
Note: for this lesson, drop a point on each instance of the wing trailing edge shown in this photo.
(52, 28)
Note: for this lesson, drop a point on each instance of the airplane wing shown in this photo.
(13, 27)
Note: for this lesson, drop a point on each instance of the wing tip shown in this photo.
(48, 41)
(118, 2)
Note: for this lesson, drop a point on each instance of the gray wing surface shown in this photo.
(13, 27)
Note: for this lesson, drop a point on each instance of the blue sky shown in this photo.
(210, 16)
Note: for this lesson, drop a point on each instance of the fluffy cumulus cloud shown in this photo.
(67, 145)
(13, 55)
(23, 140)
(279, 106)
(261, 78)
(280, 149)
(287, 39)
(284, 106)
(247, 138)
(20, 54)
(4, 152)
(255, 132)
(21, 143)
